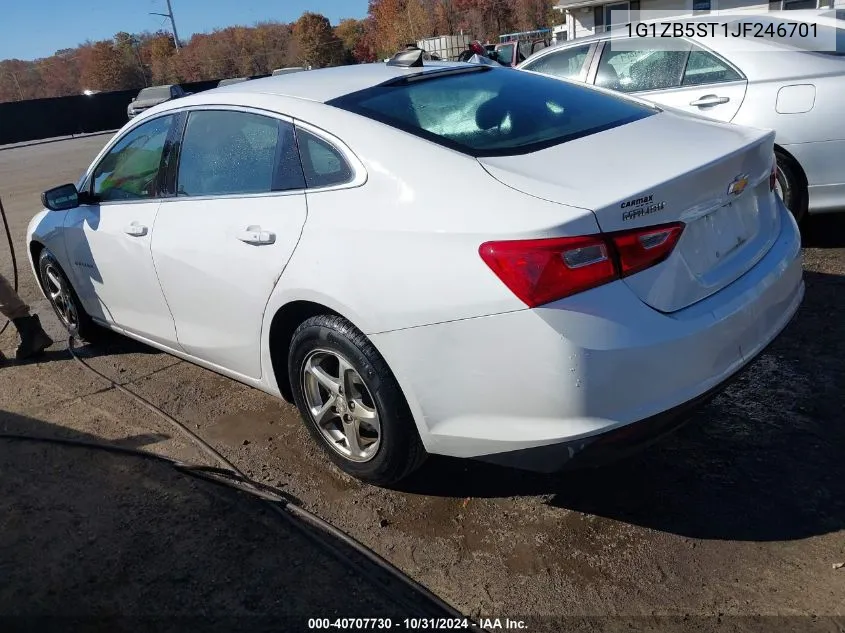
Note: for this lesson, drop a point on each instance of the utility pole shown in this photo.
(169, 15)
(20, 92)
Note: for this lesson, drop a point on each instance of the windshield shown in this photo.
(809, 36)
(157, 92)
(493, 111)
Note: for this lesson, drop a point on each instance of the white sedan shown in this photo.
(452, 259)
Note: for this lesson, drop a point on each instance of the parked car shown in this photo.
(153, 96)
(233, 80)
(761, 82)
(286, 71)
(349, 239)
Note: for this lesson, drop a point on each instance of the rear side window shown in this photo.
(705, 68)
(493, 112)
(324, 165)
(228, 152)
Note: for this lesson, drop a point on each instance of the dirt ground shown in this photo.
(739, 514)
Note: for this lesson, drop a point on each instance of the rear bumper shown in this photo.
(613, 445)
(554, 380)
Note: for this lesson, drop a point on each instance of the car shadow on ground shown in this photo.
(87, 534)
(107, 343)
(826, 230)
(763, 462)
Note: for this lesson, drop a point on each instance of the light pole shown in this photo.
(169, 15)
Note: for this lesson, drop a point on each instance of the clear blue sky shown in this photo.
(30, 29)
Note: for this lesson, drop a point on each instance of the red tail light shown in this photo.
(545, 270)
(773, 175)
(642, 249)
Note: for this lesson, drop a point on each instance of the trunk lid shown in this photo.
(670, 167)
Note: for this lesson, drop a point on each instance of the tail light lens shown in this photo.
(639, 250)
(773, 175)
(545, 270)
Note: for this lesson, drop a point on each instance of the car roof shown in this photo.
(325, 84)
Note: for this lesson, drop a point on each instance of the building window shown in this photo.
(799, 4)
(700, 7)
(617, 13)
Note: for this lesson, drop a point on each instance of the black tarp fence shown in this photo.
(38, 119)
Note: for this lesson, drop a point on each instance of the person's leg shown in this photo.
(11, 305)
(34, 339)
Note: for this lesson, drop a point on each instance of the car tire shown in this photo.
(63, 298)
(793, 191)
(359, 415)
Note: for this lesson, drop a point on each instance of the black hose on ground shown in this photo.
(12, 251)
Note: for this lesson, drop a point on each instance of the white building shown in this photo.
(586, 17)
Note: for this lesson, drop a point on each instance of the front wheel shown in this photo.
(63, 298)
(351, 402)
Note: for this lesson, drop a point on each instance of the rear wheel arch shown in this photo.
(284, 324)
(798, 174)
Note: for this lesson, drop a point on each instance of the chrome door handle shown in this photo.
(136, 230)
(256, 236)
(709, 100)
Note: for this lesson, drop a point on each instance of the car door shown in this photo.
(108, 240)
(222, 242)
(684, 75)
(566, 63)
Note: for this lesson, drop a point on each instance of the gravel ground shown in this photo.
(736, 518)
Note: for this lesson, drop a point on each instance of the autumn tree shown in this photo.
(446, 17)
(533, 14)
(105, 68)
(317, 44)
(400, 22)
(128, 47)
(350, 32)
(365, 49)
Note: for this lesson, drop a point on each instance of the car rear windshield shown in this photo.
(484, 111)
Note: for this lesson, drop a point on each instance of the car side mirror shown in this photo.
(60, 198)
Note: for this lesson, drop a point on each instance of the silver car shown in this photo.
(153, 96)
(762, 83)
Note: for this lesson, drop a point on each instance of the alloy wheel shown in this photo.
(341, 406)
(59, 295)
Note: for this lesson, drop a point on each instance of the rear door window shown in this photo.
(649, 67)
(487, 111)
(231, 152)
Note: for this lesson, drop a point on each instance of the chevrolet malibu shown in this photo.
(444, 258)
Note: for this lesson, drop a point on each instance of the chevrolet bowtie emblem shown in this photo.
(738, 185)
